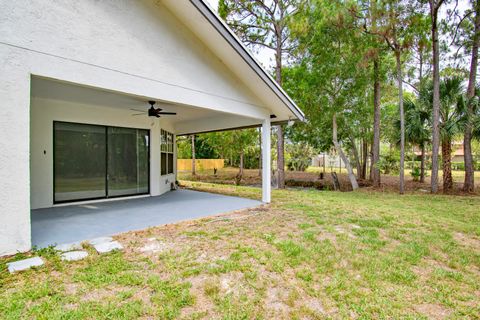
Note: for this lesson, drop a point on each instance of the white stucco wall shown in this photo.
(14, 157)
(134, 47)
(45, 111)
(90, 41)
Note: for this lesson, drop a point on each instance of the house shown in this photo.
(327, 160)
(457, 152)
(82, 83)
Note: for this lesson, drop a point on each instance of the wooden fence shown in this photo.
(200, 164)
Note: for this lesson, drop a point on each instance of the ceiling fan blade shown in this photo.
(167, 113)
(137, 110)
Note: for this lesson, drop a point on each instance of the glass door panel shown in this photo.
(127, 161)
(79, 161)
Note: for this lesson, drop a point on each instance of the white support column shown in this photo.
(15, 155)
(266, 154)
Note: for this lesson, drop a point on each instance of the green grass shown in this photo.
(310, 254)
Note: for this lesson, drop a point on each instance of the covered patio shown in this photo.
(73, 223)
(90, 118)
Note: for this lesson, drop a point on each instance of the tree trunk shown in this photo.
(260, 155)
(375, 172)
(469, 183)
(422, 164)
(280, 142)
(447, 165)
(280, 159)
(436, 96)
(351, 176)
(239, 176)
(370, 175)
(324, 164)
(402, 121)
(194, 171)
(241, 164)
(364, 158)
(356, 155)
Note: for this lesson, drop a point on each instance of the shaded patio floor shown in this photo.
(73, 223)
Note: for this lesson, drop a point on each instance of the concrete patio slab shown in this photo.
(67, 224)
(24, 264)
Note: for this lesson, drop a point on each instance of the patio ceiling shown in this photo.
(189, 119)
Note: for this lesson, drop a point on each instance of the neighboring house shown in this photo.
(457, 152)
(74, 74)
(327, 160)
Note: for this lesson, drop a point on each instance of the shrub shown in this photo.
(299, 156)
(458, 166)
(307, 184)
(416, 173)
(389, 163)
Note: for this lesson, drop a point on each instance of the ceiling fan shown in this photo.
(152, 111)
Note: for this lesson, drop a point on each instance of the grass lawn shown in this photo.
(309, 255)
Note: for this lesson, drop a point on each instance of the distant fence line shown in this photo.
(200, 164)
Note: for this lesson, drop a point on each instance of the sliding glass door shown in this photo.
(79, 161)
(92, 162)
(127, 161)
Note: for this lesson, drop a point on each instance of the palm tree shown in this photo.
(452, 119)
(417, 129)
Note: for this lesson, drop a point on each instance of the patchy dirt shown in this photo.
(466, 240)
(153, 245)
(275, 301)
(233, 283)
(315, 305)
(203, 304)
(101, 294)
(432, 311)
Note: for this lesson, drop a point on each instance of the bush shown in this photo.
(299, 156)
(321, 185)
(461, 166)
(389, 163)
(458, 166)
(416, 173)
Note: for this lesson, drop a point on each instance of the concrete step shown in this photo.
(25, 264)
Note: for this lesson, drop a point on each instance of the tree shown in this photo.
(375, 171)
(435, 6)
(194, 172)
(397, 26)
(331, 78)
(368, 16)
(417, 129)
(469, 183)
(234, 144)
(452, 119)
(264, 24)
